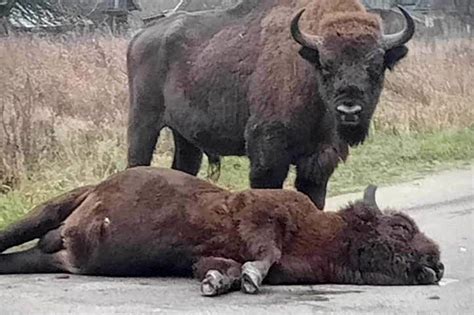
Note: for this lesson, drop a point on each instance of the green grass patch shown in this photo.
(382, 160)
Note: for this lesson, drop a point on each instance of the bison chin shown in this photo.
(386, 272)
(353, 134)
(426, 276)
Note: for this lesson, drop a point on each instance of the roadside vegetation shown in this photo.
(63, 108)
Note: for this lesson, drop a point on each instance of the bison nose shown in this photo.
(426, 275)
(439, 270)
(349, 109)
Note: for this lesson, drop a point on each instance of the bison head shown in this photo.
(350, 71)
(387, 249)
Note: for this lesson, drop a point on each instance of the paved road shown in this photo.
(441, 204)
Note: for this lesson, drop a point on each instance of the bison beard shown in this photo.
(262, 79)
(149, 221)
(353, 135)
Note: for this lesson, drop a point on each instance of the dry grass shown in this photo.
(431, 90)
(63, 106)
(56, 96)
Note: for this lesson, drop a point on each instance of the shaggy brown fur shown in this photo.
(341, 23)
(235, 82)
(149, 221)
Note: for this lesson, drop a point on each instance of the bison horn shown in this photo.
(305, 40)
(369, 197)
(394, 40)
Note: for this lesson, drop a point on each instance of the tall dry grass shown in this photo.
(432, 89)
(55, 96)
(63, 104)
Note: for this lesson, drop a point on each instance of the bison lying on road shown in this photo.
(150, 221)
(252, 81)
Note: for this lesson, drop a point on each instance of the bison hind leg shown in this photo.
(52, 241)
(218, 275)
(43, 218)
(33, 260)
(187, 157)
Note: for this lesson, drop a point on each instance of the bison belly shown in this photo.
(212, 119)
(145, 260)
(128, 251)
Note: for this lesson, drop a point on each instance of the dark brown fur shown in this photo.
(149, 221)
(340, 22)
(235, 82)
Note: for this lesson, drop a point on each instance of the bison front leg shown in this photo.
(267, 152)
(315, 189)
(262, 235)
(313, 172)
(145, 114)
(253, 273)
(217, 275)
(187, 157)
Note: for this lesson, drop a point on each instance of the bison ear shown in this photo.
(310, 55)
(394, 55)
(361, 213)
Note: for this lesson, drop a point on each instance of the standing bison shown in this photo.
(249, 81)
(149, 221)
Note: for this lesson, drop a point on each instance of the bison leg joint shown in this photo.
(251, 278)
(215, 283)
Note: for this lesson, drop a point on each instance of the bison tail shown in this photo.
(42, 218)
(214, 167)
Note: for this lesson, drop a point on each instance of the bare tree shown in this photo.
(189, 5)
(463, 6)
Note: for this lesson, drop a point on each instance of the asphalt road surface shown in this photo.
(442, 205)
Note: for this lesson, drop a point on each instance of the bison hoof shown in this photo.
(213, 284)
(251, 279)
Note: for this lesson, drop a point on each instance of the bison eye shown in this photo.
(374, 71)
(400, 227)
(325, 72)
(328, 65)
(432, 260)
(401, 231)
